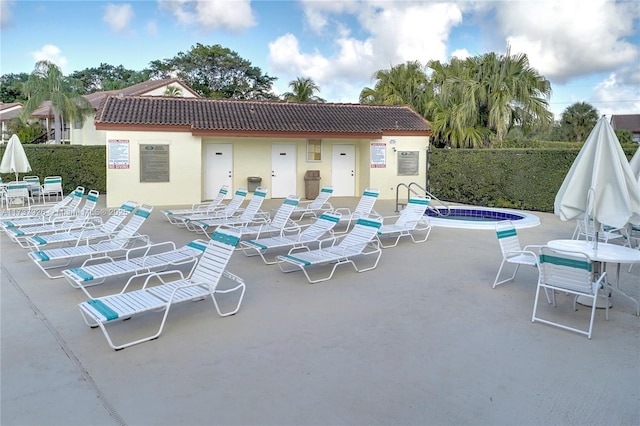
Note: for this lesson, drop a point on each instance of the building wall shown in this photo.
(87, 134)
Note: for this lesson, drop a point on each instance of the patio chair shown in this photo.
(364, 208)
(60, 223)
(52, 185)
(38, 216)
(137, 262)
(51, 261)
(360, 242)
(251, 214)
(280, 223)
(17, 195)
(568, 273)
(585, 229)
(314, 207)
(512, 252)
(91, 231)
(411, 222)
(231, 209)
(203, 282)
(215, 205)
(303, 237)
(35, 189)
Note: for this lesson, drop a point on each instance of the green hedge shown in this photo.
(525, 179)
(78, 165)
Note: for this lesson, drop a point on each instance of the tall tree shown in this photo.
(303, 89)
(11, 87)
(216, 72)
(578, 120)
(106, 77)
(46, 83)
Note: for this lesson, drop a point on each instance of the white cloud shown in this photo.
(5, 12)
(51, 53)
(118, 16)
(618, 94)
(210, 15)
(152, 28)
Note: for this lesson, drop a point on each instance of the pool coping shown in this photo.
(528, 220)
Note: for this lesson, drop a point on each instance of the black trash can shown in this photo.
(253, 182)
(311, 184)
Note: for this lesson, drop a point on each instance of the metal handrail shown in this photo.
(422, 191)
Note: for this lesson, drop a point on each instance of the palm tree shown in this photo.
(173, 92)
(46, 83)
(578, 120)
(302, 90)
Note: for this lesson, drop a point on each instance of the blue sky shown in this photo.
(588, 49)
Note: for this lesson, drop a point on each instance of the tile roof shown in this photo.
(9, 110)
(629, 122)
(235, 117)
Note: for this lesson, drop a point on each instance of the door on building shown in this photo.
(283, 170)
(218, 169)
(343, 170)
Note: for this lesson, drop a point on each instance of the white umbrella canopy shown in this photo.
(14, 159)
(600, 183)
(635, 164)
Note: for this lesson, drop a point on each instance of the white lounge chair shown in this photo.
(39, 216)
(50, 260)
(411, 222)
(314, 207)
(88, 233)
(321, 228)
(202, 283)
(251, 214)
(568, 273)
(231, 209)
(137, 262)
(215, 205)
(364, 208)
(280, 223)
(360, 242)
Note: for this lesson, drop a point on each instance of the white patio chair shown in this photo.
(568, 273)
(585, 229)
(359, 243)
(35, 189)
(411, 222)
(52, 185)
(305, 235)
(17, 195)
(137, 262)
(215, 205)
(231, 209)
(202, 283)
(363, 209)
(512, 252)
(314, 207)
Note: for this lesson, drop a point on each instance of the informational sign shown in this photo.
(408, 163)
(378, 155)
(118, 155)
(154, 163)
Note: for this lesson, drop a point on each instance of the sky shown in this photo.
(588, 49)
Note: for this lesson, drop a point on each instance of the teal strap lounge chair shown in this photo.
(207, 208)
(314, 207)
(231, 209)
(205, 281)
(41, 216)
(280, 223)
(363, 209)
(411, 222)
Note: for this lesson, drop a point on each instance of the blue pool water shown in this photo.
(480, 217)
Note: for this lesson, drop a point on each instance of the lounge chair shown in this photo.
(231, 209)
(50, 260)
(364, 208)
(202, 283)
(198, 208)
(137, 262)
(83, 219)
(251, 214)
(360, 242)
(88, 233)
(41, 215)
(314, 207)
(321, 228)
(568, 273)
(280, 223)
(409, 223)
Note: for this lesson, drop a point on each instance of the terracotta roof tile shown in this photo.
(211, 116)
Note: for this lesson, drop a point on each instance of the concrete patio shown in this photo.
(421, 340)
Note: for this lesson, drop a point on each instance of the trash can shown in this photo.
(253, 182)
(311, 184)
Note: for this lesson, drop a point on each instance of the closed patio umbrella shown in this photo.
(14, 159)
(600, 183)
(635, 164)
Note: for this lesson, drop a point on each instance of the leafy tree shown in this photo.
(46, 83)
(302, 90)
(578, 120)
(624, 136)
(215, 72)
(11, 87)
(26, 130)
(106, 77)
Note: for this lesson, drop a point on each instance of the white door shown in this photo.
(283, 170)
(218, 169)
(343, 170)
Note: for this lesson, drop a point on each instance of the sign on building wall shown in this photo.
(378, 155)
(408, 163)
(118, 156)
(154, 163)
